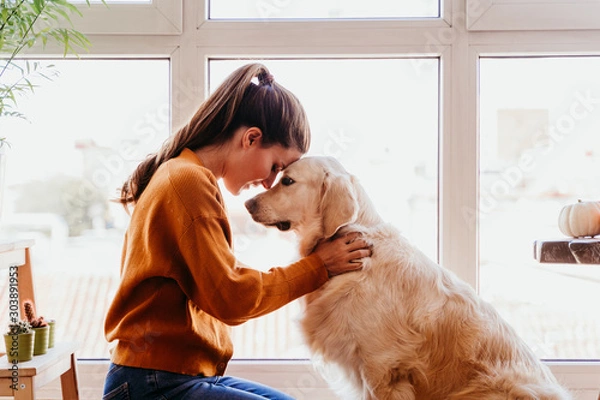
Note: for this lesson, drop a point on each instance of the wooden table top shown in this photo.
(10, 245)
(568, 251)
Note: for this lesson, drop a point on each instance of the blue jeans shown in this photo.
(129, 383)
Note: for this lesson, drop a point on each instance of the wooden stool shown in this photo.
(59, 361)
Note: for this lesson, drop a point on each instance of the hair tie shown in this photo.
(265, 78)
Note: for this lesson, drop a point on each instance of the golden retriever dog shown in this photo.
(402, 327)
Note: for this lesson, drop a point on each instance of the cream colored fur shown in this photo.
(403, 327)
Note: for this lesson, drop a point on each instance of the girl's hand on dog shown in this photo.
(343, 254)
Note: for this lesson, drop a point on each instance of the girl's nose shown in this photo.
(267, 183)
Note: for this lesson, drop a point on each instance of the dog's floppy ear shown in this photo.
(339, 205)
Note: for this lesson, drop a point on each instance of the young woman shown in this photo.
(181, 287)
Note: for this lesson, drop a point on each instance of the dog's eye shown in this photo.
(286, 181)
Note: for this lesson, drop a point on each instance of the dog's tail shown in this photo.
(543, 391)
(510, 385)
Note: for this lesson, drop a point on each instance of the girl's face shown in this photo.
(255, 165)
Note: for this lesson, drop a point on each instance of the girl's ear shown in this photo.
(251, 137)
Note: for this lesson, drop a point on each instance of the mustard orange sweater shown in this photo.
(181, 286)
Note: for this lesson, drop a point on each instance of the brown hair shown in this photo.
(237, 102)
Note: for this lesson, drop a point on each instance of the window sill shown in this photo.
(301, 380)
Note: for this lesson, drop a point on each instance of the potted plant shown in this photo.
(19, 342)
(51, 333)
(39, 326)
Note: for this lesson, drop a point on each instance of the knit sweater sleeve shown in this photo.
(212, 278)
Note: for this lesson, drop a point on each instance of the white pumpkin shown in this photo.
(580, 219)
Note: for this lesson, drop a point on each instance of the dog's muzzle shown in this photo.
(252, 207)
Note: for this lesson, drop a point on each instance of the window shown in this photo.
(110, 2)
(503, 15)
(390, 144)
(457, 64)
(82, 139)
(124, 17)
(540, 146)
(286, 9)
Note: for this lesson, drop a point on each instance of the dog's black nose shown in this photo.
(251, 205)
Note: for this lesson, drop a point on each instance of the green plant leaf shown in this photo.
(23, 24)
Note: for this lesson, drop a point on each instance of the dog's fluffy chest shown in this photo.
(344, 311)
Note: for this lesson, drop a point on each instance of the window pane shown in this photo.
(261, 9)
(88, 128)
(112, 1)
(539, 151)
(380, 119)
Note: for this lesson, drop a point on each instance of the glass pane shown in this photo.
(87, 129)
(379, 118)
(112, 1)
(539, 152)
(330, 9)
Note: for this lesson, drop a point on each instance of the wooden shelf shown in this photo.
(39, 363)
(568, 251)
(6, 245)
(41, 370)
(59, 361)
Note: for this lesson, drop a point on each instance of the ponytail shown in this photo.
(237, 102)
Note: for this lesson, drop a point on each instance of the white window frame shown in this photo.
(506, 15)
(158, 17)
(457, 38)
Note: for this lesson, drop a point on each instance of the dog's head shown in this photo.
(314, 197)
